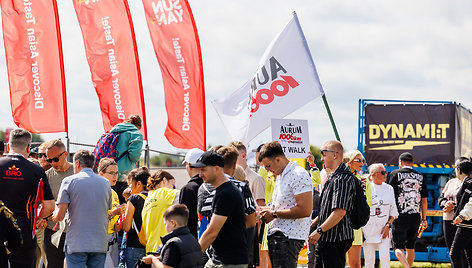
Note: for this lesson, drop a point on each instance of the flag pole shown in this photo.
(316, 74)
(331, 119)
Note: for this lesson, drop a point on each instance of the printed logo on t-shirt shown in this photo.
(13, 173)
(409, 198)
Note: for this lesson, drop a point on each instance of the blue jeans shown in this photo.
(132, 255)
(85, 259)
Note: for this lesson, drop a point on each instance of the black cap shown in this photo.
(406, 156)
(209, 158)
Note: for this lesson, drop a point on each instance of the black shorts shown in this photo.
(405, 231)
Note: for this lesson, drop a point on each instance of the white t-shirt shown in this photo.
(293, 181)
(383, 206)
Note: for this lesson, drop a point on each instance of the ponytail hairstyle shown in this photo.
(135, 120)
(140, 174)
(158, 177)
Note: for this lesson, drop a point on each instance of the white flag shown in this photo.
(286, 79)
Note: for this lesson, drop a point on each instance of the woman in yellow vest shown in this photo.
(108, 169)
(161, 195)
(355, 161)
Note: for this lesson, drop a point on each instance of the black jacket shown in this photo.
(189, 197)
(463, 197)
(190, 251)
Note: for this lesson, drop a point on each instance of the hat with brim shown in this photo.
(192, 156)
(209, 158)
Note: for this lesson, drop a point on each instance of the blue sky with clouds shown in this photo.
(415, 50)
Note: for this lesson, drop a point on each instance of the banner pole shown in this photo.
(146, 155)
(68, 142)
(331, 119)
(68, 146)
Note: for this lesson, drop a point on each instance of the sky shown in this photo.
(399, 50)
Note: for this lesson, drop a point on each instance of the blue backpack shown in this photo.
(106, 147)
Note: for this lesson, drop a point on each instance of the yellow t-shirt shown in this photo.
(115, 202)
(269, 179)
(153, 226)
(315, 177)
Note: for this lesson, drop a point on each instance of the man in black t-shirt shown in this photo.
(23, 185)
(226, 232)
(410, 191)
(189, 192)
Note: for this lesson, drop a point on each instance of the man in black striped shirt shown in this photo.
(334, 234)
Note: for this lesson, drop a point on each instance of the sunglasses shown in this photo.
(323, 152)
(55, 159)
(41, 155)
(383, 172)
(358, 160)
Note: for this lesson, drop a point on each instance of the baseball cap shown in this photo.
(209, 158)
(192, 156)
(406, 156)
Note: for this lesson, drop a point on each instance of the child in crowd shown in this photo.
(181, 248)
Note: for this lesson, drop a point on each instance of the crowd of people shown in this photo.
(56, 213)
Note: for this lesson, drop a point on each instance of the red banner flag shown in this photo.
(175, 39)
(110, 46)
(33, 51)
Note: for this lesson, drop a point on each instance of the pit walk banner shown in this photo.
(35, 67)
(110, 46)
(293, 136)
(177, 46)
(286, 79)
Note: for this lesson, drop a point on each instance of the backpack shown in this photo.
(360, 212)
(141, 234)
(106, 147)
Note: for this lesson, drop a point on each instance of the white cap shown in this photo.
(192, 156)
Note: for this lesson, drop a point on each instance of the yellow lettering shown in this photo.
(409, 131)
(374, 132)
(422, 131)
(385, 130)
(397, 131)
(443, 128)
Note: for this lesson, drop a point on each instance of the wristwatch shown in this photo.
(388, 224)
(319, 230)
(274, 214)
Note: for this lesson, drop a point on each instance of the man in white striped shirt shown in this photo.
(334, 235)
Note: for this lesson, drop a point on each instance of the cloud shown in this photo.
(416, 50)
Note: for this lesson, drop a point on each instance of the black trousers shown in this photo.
(331, 254)
(23, 257)
(283, 252)
(55, 256)
(449, 231)
(461, 245)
